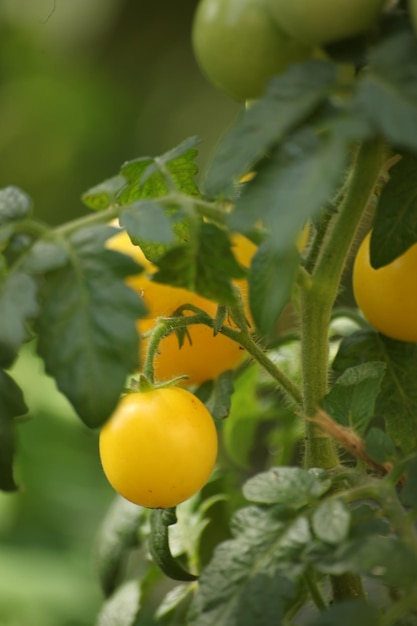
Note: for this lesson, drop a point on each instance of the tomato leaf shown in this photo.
(358, 612)
(149, 177)
(290, 99)
(379, 445)
(12, 405)
(331, 521)
(87, 327)
(397, 400)
(271, 279)
(387, 91)
(221, 394)
(252, 578)
(395, 226)
(297, 180)
(117, 535)
(351, 401)
(205, 268)
(15, 205)
(290, 487)
(123, 607)
(104, 194)
(18, 305)
(146, 220)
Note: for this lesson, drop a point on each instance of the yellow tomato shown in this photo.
(387, 296)
(159, 447)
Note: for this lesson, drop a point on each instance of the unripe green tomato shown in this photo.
(318, 22)
(239, 47)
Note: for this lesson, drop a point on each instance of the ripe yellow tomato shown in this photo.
(203, 356)
(387, 296)
(159, 447)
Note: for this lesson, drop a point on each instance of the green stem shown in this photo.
(317, 302)
(315, 592)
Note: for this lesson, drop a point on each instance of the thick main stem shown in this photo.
(317, 301)
(316, 306)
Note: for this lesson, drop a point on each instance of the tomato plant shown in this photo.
(309, 518)
(387, 296)
(159, 447)
(239, 47)
(319, 22)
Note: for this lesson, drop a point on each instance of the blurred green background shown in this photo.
(84, 86)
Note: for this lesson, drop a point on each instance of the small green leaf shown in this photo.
(45, 256)
(87, 327)
(387, 91)
(147, 220)
(15, 204)
(151, 178)
(271, 278)
(12, 405)
(357, 612)
(331, 521)
(290, 487)
(117, 535)
(205, 268)
(18, 305)
(179, 595)
(395, 227)
(290, 99)
(102, 196)
(122, 608)
(351, 401)
(379, 445)
(221, 395)
(397, 400)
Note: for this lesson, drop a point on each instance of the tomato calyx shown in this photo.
(142, 384)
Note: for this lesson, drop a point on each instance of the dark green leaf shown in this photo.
(87, 327)
(15, 204)
(297, 180)
(152, 178)
(357, 612)
(271, 278)
(351, 401)
(409, 492)
(12, 405)
(118, 534)
(18, 305)
(123, 607)
(221, 394)
(397, 400)
(379, 446)
(331, 521)
(290, 99)
(395, 226)
(206, 268)
(387, 92)
(101, 196)
(290, 487)
(386, 558)
(251, 579)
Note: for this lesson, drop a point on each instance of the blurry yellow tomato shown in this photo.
(387, 296)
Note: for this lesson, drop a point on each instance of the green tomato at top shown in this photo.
(317, 22)
(239, 46)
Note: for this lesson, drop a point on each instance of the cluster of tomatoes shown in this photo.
(241, 44)
(160, 445)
